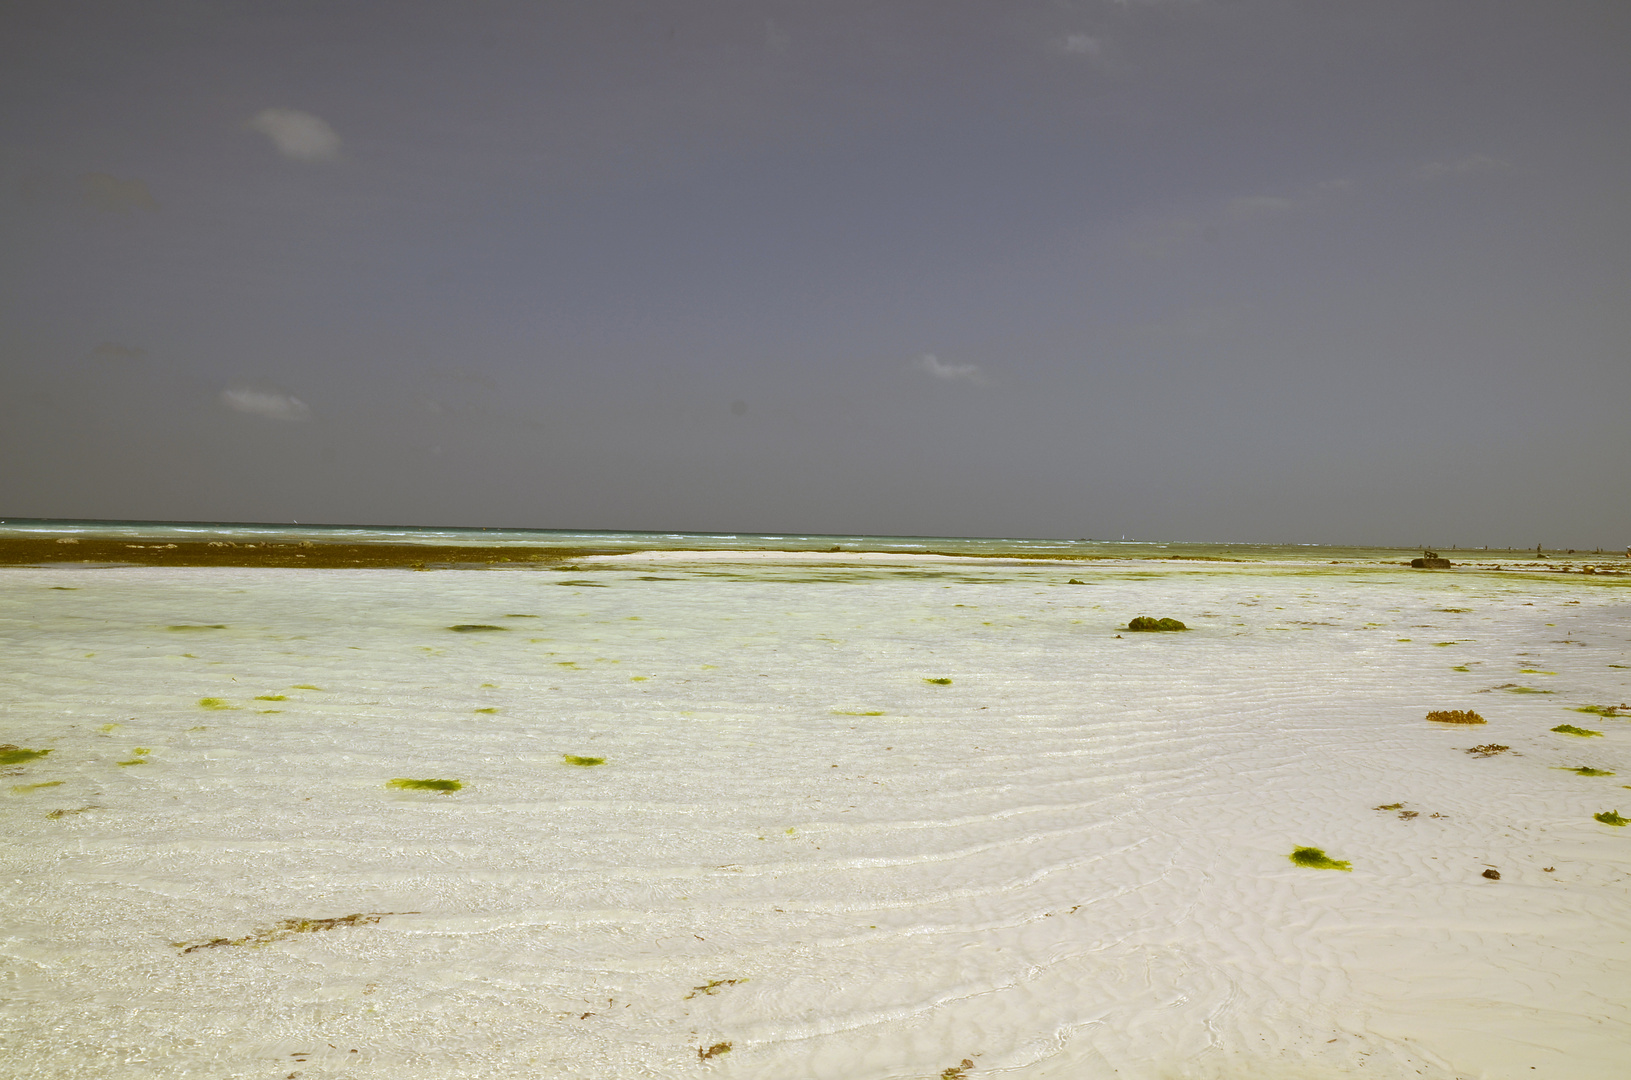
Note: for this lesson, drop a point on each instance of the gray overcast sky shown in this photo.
(1248, 270)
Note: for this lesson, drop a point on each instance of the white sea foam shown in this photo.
(1069, 862)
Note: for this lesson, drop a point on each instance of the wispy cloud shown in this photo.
(271, 404)
(112, 350)
(297, 134)
(111, 195)
(969, 373)
(1473, 163)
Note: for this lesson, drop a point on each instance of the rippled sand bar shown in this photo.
(813, 817)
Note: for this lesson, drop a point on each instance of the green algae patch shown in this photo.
(1611, 817)
(271, 697)
(583, 762)
(711, 987)
(487, 711)
(938, 682)
(213, 703)
(16, 755)
(138, 756)
(1145, 622)
(424, 785)
(288, 928)
(706, 1052)
(1455, 716)
(1570, 729)
(475, 628)
(1461, 667)
(1525, 690)
(1315, 859)
(185, 627)
(1584, 770)
(24, 789)
(1599, 710)
(859, 712)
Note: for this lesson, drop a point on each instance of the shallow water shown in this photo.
(1070, 861)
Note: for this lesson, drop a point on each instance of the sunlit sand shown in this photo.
(826, 815)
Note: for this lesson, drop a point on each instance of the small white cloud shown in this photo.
(1083, 45)
(299, 135)
(113, 195)
(1475, 163)
(271, 404)
(953, 372)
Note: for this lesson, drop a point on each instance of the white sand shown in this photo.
(1071, 862)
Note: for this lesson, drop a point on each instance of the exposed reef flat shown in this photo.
(827, 815)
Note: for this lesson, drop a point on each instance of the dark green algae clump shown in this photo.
(16, 755)
(584, 762)
(1145, 622)
(1315, 859)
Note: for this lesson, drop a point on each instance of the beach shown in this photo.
(820, 814)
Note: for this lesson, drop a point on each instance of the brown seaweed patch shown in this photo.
(960, 1070)
(406, 784)
(288, 928)
(706, 1052)
(56, 815)
(183, 627)
(16, 755)
(1315, 859)
(711, 987)
(1487, 750)
(1455, 716)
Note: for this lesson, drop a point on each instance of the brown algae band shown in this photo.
(313, 555)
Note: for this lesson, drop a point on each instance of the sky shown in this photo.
(1188, 270)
